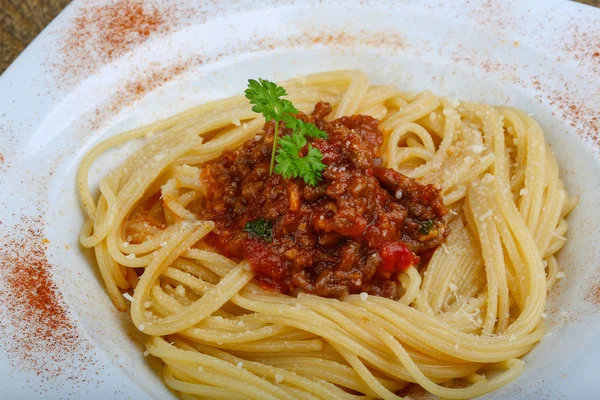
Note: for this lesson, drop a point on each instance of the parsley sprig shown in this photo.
(291, 165)
(303, 128)
(266, 98)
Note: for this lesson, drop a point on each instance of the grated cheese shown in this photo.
(487, 178)
(477, 148)
(524, 192)
(142, 327)
(486, 215)
(130, 256)
(278, 378)
(240, 364)
(364, 296)
(128, 297)
(470, 316)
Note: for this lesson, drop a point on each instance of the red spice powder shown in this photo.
(154, 78)
(151, 78)
(581, 42)
(112, 29)
(341, 38)
(338, 39)
(584, 46)
(41, 335)
(495, 16)
(577, 112)
(593, 294)
(100, 34)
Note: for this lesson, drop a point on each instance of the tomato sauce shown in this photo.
(353, 232)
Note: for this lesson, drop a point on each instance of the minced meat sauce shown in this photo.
(353, 232)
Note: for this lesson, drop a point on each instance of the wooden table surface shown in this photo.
(22, 20)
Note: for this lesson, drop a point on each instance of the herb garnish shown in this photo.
(291, 165)
(266, 99)
(260, 228)
(426, 226)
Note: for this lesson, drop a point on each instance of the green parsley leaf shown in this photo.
(291, 165)
(304, 128)
(266, 98)
(426, 226)
(260, 228)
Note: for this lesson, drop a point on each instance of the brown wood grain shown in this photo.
(22, 20)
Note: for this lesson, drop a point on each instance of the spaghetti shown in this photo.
(460, 322)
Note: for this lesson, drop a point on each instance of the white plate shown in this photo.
(72, 88)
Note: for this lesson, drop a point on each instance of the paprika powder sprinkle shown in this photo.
(593, 294)
(42, 335)
(151, 78)
(102, 33)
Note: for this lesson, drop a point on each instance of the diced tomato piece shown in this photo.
(264, 260)
(396, 256)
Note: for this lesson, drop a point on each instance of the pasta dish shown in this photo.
(331, 239)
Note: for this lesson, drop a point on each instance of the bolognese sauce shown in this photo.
(353, 232)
